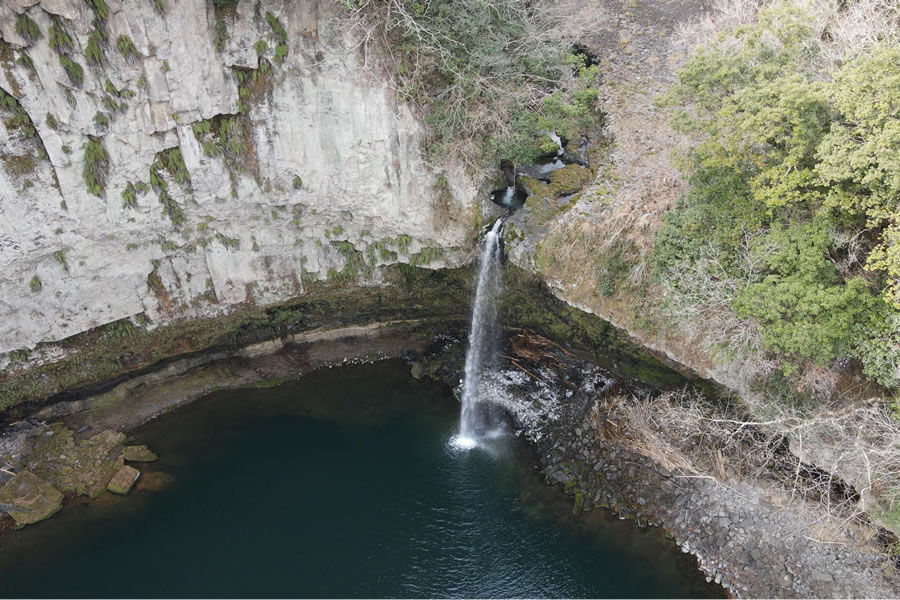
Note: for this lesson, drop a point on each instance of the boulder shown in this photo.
(29, 499)
(81, 467)
(138, 454)
(123, 480)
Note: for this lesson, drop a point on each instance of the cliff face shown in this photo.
(193, 167)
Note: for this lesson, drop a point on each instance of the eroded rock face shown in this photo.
(292, 172)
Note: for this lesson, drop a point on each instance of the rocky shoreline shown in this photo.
(747, 536)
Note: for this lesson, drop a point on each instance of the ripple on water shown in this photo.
(292, 492)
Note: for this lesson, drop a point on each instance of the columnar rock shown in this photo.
(178, 163)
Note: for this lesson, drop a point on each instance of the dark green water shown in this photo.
(339, 485)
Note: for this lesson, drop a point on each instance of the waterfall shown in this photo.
(481, 335)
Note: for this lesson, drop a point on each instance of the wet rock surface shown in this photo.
(747, 536)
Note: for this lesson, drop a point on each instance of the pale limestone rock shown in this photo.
(325, 120)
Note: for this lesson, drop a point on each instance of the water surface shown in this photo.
(339, 485)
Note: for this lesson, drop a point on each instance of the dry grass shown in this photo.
(841, 30)
(693, 437)
(477, 98)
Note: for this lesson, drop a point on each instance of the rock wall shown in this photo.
(234, 174)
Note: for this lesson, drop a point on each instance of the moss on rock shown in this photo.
(82, 467)
(138, 454)
(124, 480)
(30, 499)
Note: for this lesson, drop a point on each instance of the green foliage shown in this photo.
(60, 257)
(72, 69)
(210, 149)
(354, 263)
(19, 355)
(28, 29)
(129, 196)
(59, 39)
(25, 61)
(793, 164)
(860, 155)
(96, 166)
(877, 346)
(100, 8)
(297, 182)
(261, 47)
(173, 161)
(426, 256)
(403, 241)
(19, 119)
(35, 284)
(277, 28)
(165, 68)
(220, 35)
(50, 120)
(281, 48)
(101, 119)
(805, 309)
(126, 48)
(228, 242)
(171, 208)
(93, 52)
(492, 77)
(281, 51)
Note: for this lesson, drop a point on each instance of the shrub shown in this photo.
(28, 29)
(60, 257)
(129, 196)
(100, 8)
(35, 284)
(96, 166)
(126, 48)
(94, 50)
(485, 72)
(787, 170)
(72, 69)
(60, 40)
(171, 208)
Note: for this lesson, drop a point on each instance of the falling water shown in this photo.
(481, 335)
